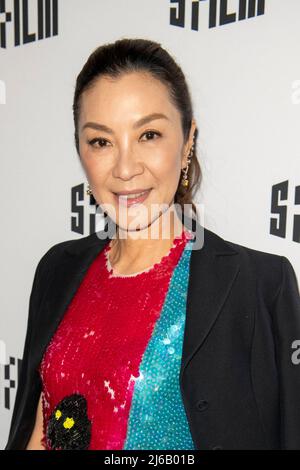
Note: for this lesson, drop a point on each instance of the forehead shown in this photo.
(132, 94)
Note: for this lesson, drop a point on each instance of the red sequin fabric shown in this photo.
(90, 366)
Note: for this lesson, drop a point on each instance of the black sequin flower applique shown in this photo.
(69, 427)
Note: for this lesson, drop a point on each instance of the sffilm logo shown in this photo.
(83, 217)
(11, 384)
(218, 9)
(279, 206)
(17, 21)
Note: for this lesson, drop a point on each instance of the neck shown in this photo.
(146, 246)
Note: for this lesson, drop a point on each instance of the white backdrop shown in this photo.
(245, 83)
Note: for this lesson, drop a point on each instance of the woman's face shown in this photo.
(126, 144)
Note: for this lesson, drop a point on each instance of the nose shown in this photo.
(127, 164)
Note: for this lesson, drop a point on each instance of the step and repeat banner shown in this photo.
(241, 61)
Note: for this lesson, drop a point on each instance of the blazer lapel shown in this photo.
(66, 279)
(213, 270)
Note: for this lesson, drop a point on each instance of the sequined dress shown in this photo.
(110, 374)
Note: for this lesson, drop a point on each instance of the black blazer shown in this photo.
(240, 377)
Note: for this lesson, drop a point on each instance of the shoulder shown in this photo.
(54, 254)
(247, 253)
(267, 269)
(259, 259)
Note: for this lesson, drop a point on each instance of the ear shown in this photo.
(187, 147)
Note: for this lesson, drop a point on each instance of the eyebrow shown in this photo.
(144, 120)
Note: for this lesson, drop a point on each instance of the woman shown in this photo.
(144, 339)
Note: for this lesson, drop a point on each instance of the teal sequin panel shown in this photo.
(157, 418)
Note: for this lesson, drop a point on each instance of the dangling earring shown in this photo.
(185, 181)
(89, 191)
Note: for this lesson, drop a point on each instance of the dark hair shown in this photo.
(130, 55)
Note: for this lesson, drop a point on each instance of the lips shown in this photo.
(131, 199)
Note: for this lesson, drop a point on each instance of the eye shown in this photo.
(152, 133)
(93, 141)
(102, 141)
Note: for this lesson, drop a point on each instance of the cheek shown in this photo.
(96, 170)
(167, 168)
